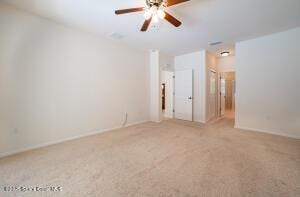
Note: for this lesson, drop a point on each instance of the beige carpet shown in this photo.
(170, 159)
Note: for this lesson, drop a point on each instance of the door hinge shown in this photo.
(173, 110)
(173, 76)
(174, 93)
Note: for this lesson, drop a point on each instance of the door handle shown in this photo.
(190, 98)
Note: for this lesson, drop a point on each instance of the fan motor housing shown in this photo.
(156, 3)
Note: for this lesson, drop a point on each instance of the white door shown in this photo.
(222, 95)
(213, 94)
(184, 95)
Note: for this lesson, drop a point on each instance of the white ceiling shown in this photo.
(204, 21)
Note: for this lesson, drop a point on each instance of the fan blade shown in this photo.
(174, 2)
(146, 24)
(172, 20)
(125, 11)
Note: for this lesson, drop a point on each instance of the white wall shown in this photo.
(197, 62)
(155, 90)
(268, 93)
(57, 83)
(226, 64)
(166, 62)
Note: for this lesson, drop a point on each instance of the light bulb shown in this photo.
(225, 54)
(154, 9)
(148, 14)
(161, 14)
(155, 19)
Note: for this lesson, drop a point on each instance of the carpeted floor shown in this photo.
(170, 159)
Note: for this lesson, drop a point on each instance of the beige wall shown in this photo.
(58, 83)
(267, 96)
(226, 64)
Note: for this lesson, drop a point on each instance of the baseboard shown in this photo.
(266, 131)
(200, 121)
(9, 153)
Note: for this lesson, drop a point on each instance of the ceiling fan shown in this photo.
(154, 10)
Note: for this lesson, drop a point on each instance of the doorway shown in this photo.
(167, 97)
(163, 97)
(227, 94)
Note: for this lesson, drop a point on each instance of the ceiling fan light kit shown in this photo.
(225, 53)
(154, 11)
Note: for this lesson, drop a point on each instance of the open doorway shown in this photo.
(163, 97)
(167, 97)
(227, 94)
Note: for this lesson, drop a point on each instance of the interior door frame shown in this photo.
(220, 95)
(170, 85)
(216, 91)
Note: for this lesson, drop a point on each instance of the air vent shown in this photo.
(215, 43)
(116, 36)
